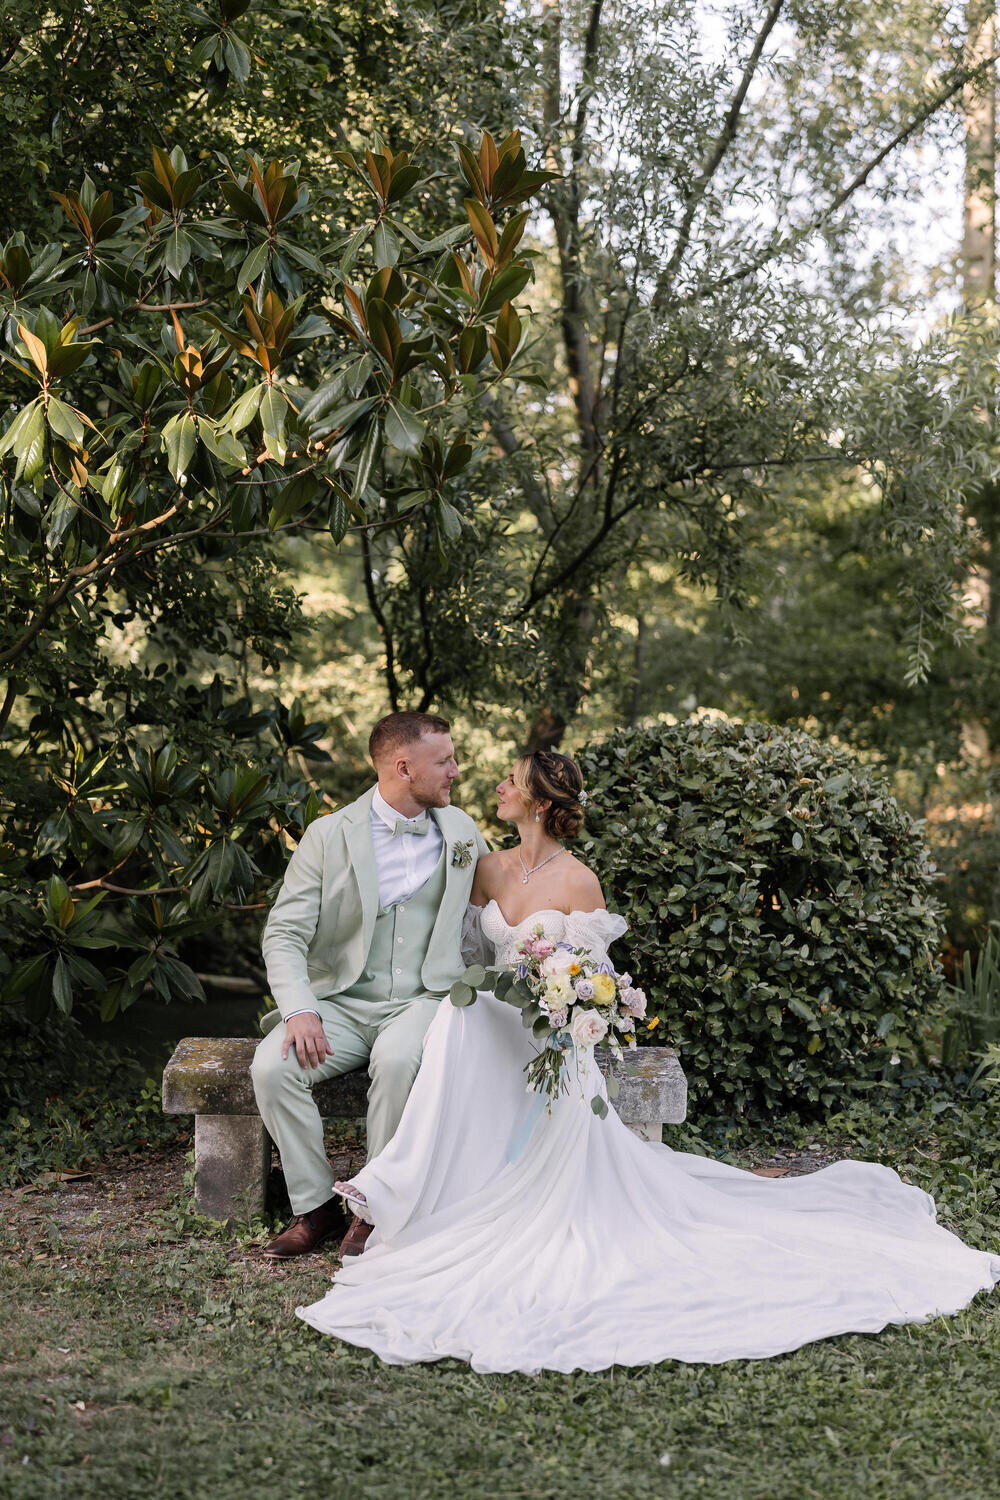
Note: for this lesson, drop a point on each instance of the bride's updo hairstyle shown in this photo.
(547, 776)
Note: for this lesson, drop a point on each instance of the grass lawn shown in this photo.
(146, 1356)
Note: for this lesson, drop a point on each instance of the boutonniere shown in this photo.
(461, 853)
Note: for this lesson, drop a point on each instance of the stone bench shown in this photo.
(209, 1077)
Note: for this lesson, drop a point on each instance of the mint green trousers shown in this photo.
(388, 1035)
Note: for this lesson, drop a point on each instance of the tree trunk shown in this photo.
(978, 265)
(979, 109)
(564, 206)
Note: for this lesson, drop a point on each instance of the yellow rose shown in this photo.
(604, 989)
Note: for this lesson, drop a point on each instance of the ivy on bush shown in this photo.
(780, 901)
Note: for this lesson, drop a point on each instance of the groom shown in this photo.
(361, 945)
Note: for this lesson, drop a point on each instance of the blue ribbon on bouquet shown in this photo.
(560, 1042)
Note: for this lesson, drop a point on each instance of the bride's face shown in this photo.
(511, 806)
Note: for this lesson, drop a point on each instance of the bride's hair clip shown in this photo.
(581, 797)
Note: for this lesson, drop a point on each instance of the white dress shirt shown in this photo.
(404, 862)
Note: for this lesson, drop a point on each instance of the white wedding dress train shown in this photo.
(592, 1247)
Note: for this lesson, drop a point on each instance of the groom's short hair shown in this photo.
(397, 730)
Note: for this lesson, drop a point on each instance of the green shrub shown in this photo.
(68, 1102)
(780, 903)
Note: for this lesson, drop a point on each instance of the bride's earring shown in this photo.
(538, 817)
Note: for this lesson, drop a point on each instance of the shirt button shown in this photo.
(403, 906)
(399, 971)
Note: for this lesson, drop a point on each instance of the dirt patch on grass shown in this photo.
(141, 1201)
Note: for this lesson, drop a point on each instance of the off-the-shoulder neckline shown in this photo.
(547, 911)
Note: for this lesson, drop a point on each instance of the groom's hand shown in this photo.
(305, 1033)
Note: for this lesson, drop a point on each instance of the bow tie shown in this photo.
(417, 826)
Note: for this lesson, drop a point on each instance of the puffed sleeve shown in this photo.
(595, 930)
(476, 946)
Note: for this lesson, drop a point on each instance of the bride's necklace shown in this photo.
(545, 861)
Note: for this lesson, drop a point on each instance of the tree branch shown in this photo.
(918, 120)
(511, 444)
(714, 159)
(8, 702)
(564, 209)
(383, 626)
(143, 307)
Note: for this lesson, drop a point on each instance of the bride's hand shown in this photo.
(305, 1033)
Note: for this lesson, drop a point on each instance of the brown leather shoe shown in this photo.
(305, 1232)
(356, 1238)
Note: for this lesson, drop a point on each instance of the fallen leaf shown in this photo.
(48, 1178)
(769, 1171)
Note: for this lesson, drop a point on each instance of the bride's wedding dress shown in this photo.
(592, 1247)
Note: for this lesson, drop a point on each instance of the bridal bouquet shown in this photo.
(568, 999)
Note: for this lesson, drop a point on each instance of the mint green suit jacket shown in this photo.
(319, 930)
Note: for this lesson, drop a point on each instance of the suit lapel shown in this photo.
(443, 818)
(362, 852)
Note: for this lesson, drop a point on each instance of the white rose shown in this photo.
(587, 1028)
(558, 962)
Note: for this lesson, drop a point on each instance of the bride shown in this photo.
(522, 1240)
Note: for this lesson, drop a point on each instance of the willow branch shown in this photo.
(714, 159)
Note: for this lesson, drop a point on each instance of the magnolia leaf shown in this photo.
(385, 244)
(243, 410)
(179, 438)
(64, 420)
(177, 252)
(449, 520)
(10, 441)
(340, 517)
(252, 266)
(403, 429)
(62, 988)
(366, 460)
(30, 446)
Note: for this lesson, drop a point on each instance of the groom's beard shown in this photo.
(439, 798)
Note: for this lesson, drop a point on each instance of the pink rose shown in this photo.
(557, 1018)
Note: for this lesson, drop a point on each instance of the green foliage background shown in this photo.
(782, 908)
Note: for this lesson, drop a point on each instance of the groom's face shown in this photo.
(431, 768)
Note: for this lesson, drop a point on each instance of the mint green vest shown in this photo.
(399, 943)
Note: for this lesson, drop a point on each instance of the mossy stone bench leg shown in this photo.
(232, 1156)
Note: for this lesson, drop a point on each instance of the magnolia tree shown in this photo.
(183, 379)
